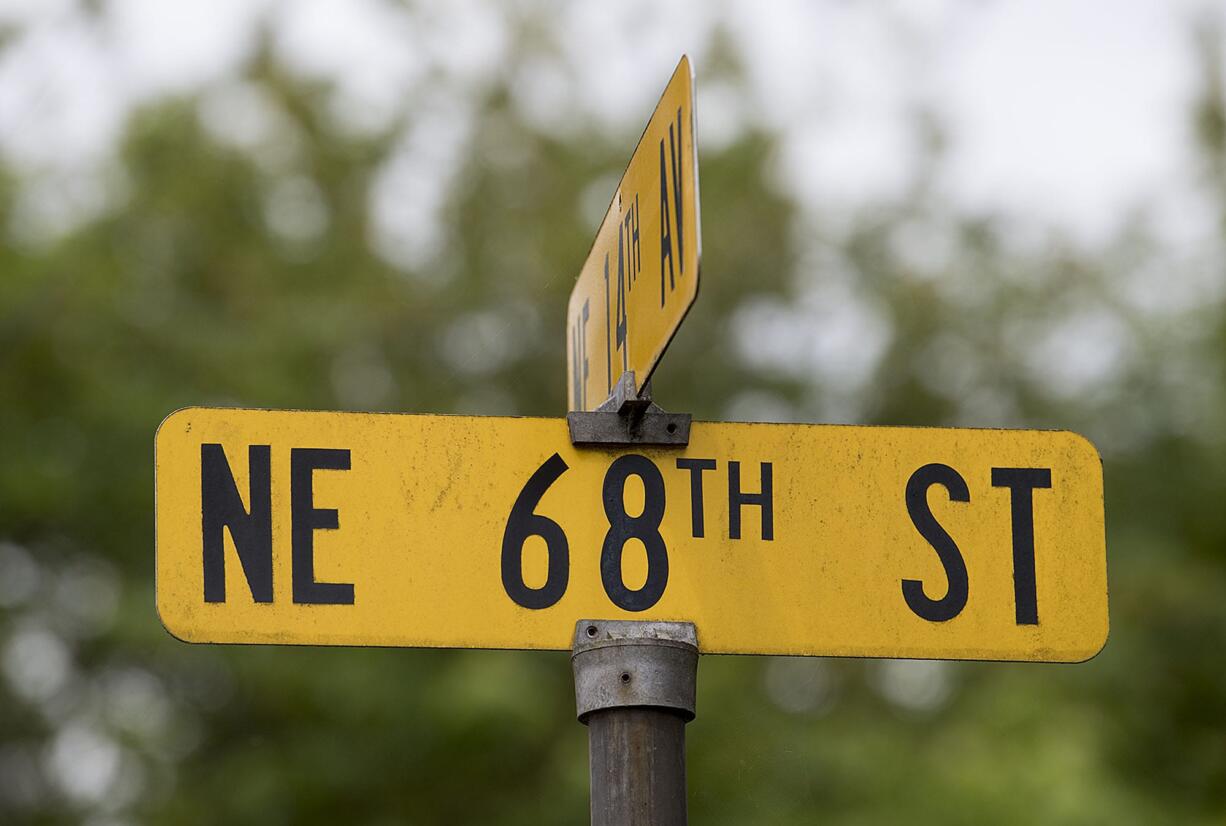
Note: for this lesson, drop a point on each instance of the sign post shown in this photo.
(635, 686)
(627, 535)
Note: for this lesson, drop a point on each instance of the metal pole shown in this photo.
(634, 690)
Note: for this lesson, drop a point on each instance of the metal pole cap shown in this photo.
(630, 663)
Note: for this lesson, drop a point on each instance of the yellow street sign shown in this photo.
(459, 531)
(641, 275)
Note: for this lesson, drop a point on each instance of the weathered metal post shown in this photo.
(635, 691)
(634, 680)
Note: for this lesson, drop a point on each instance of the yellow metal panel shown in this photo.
(423, 510)
(641, 275)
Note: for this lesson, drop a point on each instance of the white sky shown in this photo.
(1062, 113)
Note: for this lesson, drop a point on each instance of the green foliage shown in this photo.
(188, 293)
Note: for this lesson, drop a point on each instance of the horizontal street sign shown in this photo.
(459, 531)
(641, 275)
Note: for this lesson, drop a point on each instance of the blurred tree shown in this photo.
(257, 274)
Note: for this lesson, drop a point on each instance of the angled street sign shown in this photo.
(641, 276)
(411, 530)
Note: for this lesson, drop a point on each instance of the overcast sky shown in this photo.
(1060, 113)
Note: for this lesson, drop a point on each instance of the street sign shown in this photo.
(460, 531)
(641, 275)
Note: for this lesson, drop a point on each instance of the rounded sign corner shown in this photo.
(173, 416)
(1084, 443)
(180, 631)
(1095, 648)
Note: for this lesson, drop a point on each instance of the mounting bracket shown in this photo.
(628, 417)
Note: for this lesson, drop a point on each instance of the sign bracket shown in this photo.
(628, 417)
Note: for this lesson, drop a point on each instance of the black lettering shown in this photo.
(645, 527)
(1021, 483)
(634, 238)
(607, 345)
(631, 225)
(737, 498)
(696, 467)
(307, 519)
(576, 385)
(623, 343)
(583, 354)
(578, 358)
(221, 507)
(950, 605)
(678, 165)
(666, 236)
(523, 523)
